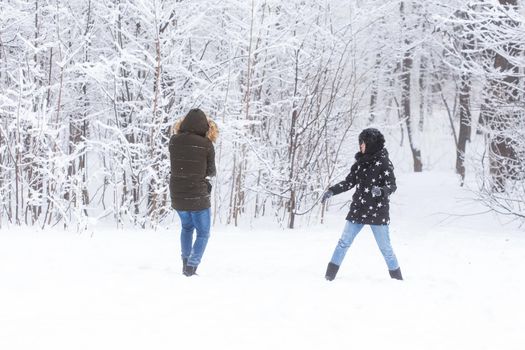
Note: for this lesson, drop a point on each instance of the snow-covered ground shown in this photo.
(263, 288)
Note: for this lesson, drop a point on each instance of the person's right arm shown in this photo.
(210, 162)
(347, 184)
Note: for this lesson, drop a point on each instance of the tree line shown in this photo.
(90, 89)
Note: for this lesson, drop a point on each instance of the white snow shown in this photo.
(263, 287)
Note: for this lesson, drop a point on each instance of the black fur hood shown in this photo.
(373, 139)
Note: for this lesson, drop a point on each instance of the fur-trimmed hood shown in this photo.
(212, 133)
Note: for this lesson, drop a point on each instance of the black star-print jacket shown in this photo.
(369, 170)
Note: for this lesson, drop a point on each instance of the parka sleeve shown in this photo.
(171, 149)
(347, 184)
(210, 166)
(389, 186)
(171, 184)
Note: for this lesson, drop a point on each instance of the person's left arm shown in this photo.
(389, 183)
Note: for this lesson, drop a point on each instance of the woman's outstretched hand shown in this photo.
(326, 195)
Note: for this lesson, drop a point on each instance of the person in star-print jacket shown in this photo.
(373, 177)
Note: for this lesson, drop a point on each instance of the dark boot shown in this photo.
(190, 271)
(331, 271)
(396, 274)
(184, 263)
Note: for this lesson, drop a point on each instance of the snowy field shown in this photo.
(262, 287)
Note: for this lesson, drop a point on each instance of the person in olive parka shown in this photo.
(192, 158)
(372, 175)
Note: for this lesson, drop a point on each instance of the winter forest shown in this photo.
(89, 90)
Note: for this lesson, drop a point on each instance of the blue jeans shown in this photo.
(199, 220)
(382, 238)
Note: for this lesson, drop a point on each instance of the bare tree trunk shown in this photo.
(34, 171)
(423, 92)
(292, 147)
(239, 187)
(239, 196)
(406, 68)
(375, 90)
(405, 107)
(233, 195)
(152, 195)
(465, 121)
(499, 112)
(291, 178)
